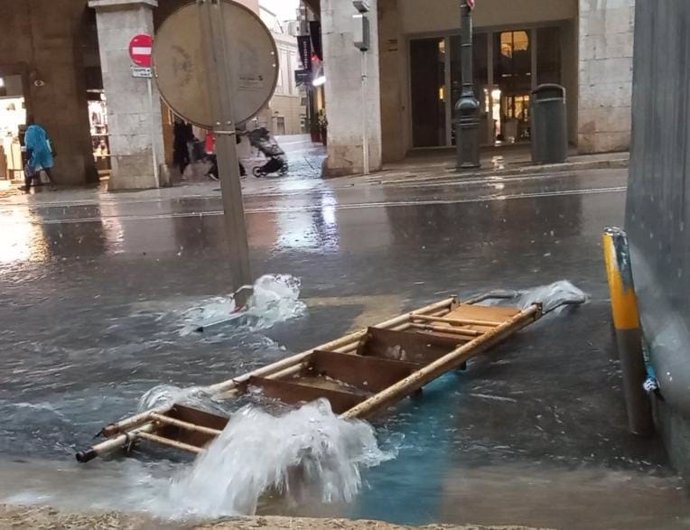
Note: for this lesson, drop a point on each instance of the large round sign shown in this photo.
(180, 66)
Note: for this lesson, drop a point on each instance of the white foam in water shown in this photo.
(275, 299)
(305, 453)
(558, 294)
(553, 295)
(168, 395)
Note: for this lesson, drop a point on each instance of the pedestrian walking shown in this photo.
(183, 135)
(210, 148)
(39, 155)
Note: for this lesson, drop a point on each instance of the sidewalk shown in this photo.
(437, 164)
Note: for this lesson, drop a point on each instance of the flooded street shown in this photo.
(96, 293)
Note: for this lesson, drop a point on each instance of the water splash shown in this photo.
(305, 453)
(553, 297)
(164, 396)
(275, 299)
(556, 295)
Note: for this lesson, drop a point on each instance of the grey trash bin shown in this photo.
(549, 130)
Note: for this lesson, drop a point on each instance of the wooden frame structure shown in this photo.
(360, 374)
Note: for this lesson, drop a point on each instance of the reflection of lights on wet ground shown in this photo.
(112, 228)
(311, 228)
(21, 238)
(328, 204)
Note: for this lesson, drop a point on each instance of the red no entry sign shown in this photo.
(140, 49)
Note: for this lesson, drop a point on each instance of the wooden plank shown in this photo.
(162, 440)
(446, 363)
(457, 321)
(366, 373)
(406, 346)
(304, 378)
(292, 392)
(445, 329)
(449, 336)
(480, 312)
(166, 420)
(192, 416)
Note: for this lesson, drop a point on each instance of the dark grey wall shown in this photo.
(658, 195)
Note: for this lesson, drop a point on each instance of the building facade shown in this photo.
(287, 109)
(413, 68)
(72, 75)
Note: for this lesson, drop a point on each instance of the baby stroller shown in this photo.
(262, 140)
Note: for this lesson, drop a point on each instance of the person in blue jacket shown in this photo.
(39, 154)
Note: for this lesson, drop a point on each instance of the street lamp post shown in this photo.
(467, 107)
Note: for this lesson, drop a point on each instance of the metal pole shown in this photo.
(221, 89)
(154, 154)
(467, 107)
(626, 321)
(365, 130)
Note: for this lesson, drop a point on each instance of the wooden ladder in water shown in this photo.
(359, 374)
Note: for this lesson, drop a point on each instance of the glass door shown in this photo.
(513, 79)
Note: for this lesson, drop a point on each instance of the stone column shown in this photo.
(345, 109)
(605, 75)
(129, 112)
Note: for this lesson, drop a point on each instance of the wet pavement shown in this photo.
(93, 288)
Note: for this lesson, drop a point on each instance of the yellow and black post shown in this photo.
(626, 321)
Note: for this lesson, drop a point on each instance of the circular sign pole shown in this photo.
(220, 69)
(216, 65)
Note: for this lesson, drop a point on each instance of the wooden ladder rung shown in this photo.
(185, 425)
(463, 332)
(458, 321)
(170, 443)
(293, 392)
(369, 374)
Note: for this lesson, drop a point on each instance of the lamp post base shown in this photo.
(467, 132)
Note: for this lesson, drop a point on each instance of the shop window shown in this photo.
(513, 61)
(12, 122)
(549, 55)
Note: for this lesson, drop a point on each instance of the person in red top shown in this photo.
(210, 148)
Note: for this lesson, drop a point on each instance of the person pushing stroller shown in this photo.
(210, 149)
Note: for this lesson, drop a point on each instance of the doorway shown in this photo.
(508, 64)
(428, 92)
(513, 79)
(13, 116)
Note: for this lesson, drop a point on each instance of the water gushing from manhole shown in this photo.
(305, 453)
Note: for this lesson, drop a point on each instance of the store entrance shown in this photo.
(12, 123)
(508, 64)
(513, 85)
